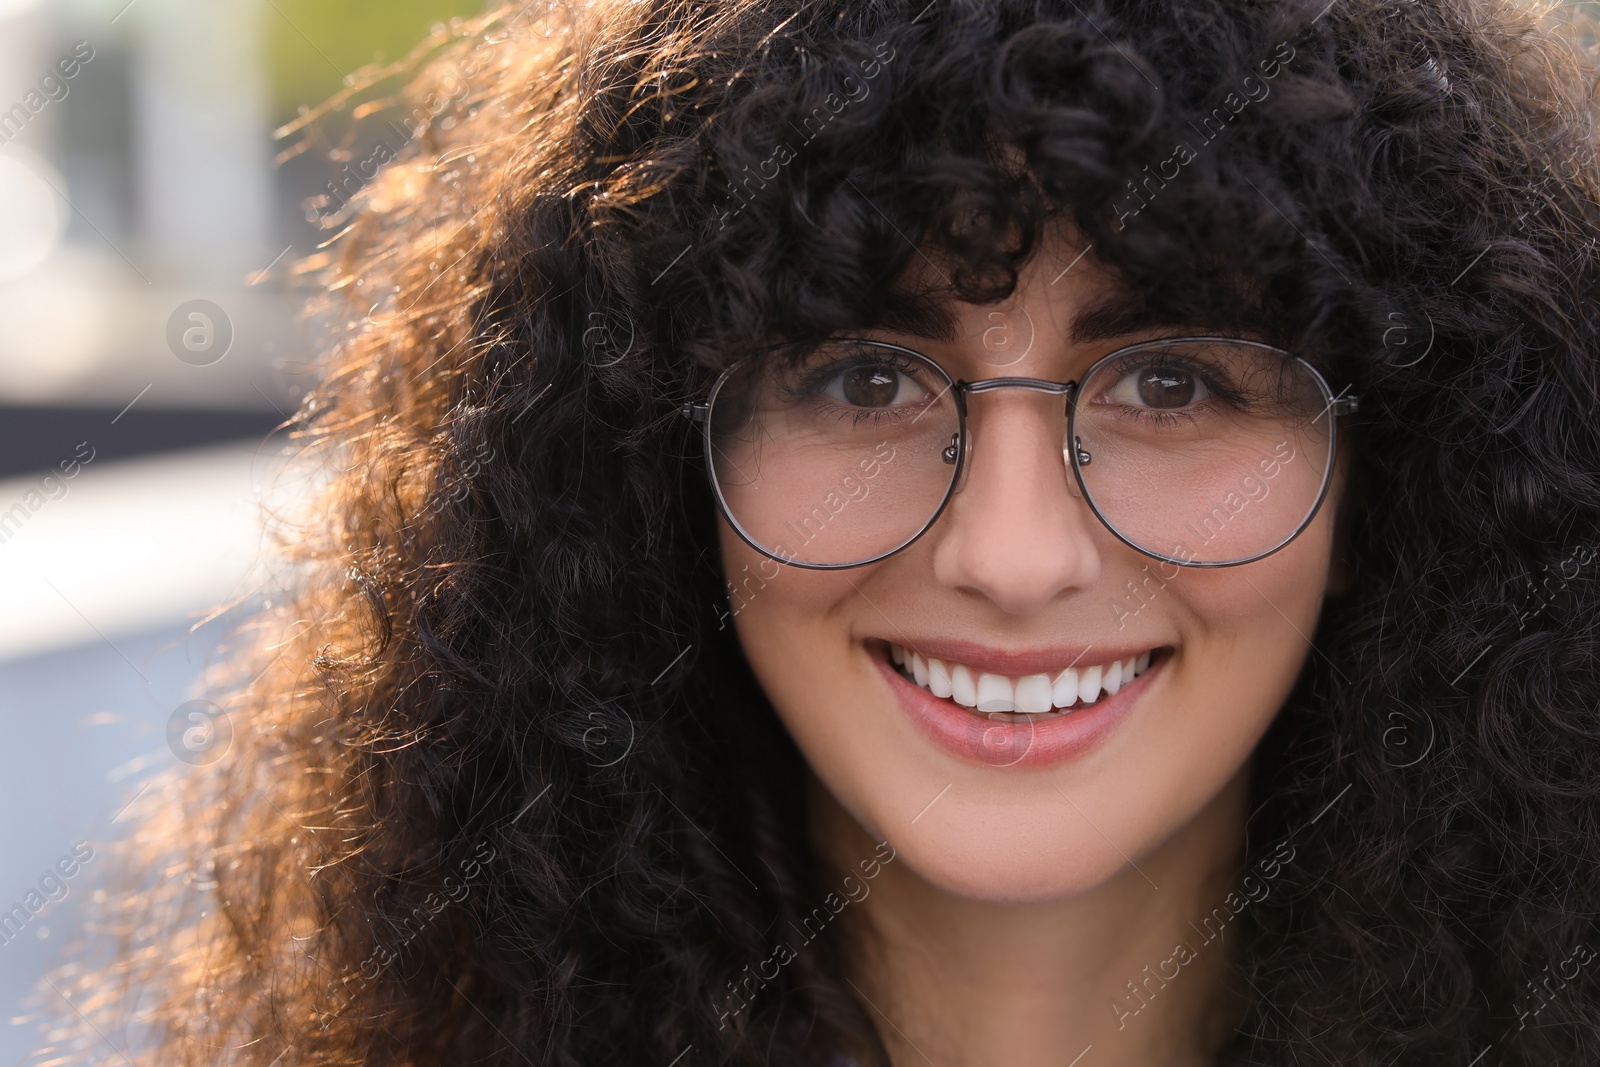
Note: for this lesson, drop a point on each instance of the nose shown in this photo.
(1016, 532)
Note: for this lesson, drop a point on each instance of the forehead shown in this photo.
(1062, 289)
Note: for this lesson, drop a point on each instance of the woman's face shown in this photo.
(997, 807)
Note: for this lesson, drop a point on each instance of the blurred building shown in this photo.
(142, 183)
(148, 351)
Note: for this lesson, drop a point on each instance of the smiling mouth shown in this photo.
(1020, 698)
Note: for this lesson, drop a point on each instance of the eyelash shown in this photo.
(1235, 398)
(814, 381)
(1157, 418)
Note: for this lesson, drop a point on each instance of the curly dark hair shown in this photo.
(503, 788)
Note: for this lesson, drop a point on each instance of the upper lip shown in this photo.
(1021, 663)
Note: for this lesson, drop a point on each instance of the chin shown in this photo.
(1010, 868)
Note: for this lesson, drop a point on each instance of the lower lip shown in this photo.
(976, 738)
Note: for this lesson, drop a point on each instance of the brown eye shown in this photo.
(1159, 387)
(879, 386)
(1162, 387)
(870, 387)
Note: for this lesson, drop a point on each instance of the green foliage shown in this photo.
(312, 44)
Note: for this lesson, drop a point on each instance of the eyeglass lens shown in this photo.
(1200, 451)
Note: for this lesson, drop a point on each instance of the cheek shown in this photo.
(1246, 639)
(1009, 835)
(797, 635)
(798, 644)
(769, 598)
(1268, 607)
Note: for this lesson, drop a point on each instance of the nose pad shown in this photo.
(1018, 543)
(1084, 458)
(960, 450)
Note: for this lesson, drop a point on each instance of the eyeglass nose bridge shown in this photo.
(959, 450)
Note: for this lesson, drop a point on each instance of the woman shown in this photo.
(951, 533)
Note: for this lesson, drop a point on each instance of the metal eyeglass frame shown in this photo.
(961, 442)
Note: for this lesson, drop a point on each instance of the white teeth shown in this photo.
(1064, 693)
(1112, 680)
(1032, 694)
(1089, 685)
(995, 693)
(962, 688)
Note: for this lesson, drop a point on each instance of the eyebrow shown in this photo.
(932, 320)
(914, 315)
(1118, 315)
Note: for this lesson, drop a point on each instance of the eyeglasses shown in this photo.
(1199, 451)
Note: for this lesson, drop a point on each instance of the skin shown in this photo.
(1022, 900)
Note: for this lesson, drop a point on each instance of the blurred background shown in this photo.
(148, 350)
